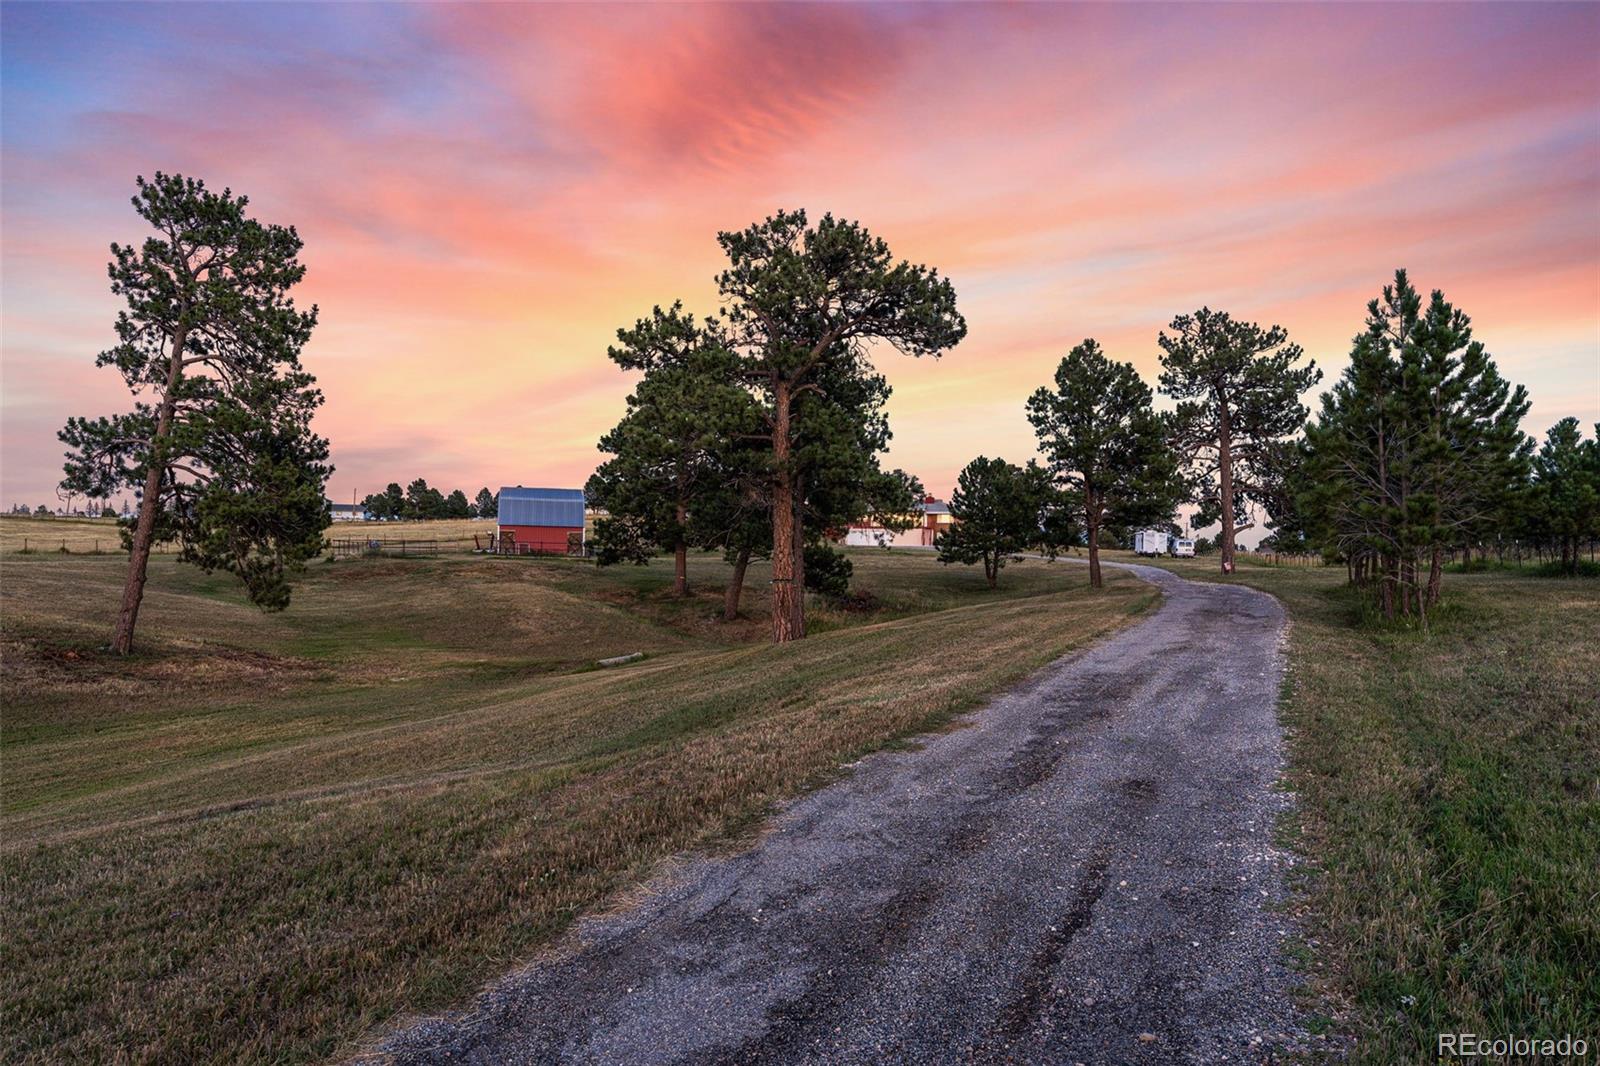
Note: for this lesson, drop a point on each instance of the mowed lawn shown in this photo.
(266, 835)
(1449, 800)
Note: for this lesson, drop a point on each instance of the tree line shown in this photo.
(420, 500)
(757, 431)
(1416, 455)
(1113, 462)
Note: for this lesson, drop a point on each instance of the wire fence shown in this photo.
(79, 545)
(351, 547)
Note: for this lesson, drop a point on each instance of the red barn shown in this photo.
(541, 521)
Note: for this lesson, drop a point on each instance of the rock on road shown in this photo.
(1084, 873)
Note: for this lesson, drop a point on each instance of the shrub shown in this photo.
(828, 571)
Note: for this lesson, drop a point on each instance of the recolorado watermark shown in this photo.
(1472, 1045)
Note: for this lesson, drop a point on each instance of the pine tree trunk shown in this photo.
(1408, 584)
(785, 592)
(1387, 590)
(799, 557)
(149, 505)
(1094, 546)
(730, 601)
(680, 553)
(1225, 476)
(1436, 576)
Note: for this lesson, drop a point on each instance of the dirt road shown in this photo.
(1083, 874)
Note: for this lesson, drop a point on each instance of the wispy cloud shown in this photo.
(487, 192)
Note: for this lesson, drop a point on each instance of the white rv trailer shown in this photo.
(1183, 547)
(1150, 542)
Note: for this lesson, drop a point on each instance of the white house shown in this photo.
(931, 517)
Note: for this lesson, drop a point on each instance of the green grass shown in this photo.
(1449, 797)
(1585, 568)
(264, 836)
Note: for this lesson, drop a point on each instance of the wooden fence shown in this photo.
(1276, 559)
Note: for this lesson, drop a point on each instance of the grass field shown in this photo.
(265, 835)
(1449, 798)
(450, 534)
(86, 536)
(77, 535)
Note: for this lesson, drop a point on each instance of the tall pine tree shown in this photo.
(1238, 389)
(219, 443)
(804, 304)
(688, 408)
(1416, 449)
(1105, 445)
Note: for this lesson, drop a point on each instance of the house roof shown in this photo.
(348, 508)
(521, 506)
(923, 507)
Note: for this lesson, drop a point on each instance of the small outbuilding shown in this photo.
(541, 521)
(348, 512)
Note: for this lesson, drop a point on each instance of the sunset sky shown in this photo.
(487, 192)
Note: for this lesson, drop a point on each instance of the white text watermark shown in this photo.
(1474, 1045)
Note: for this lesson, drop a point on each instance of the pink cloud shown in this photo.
(487, 192)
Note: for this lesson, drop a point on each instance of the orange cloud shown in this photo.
(486, 192)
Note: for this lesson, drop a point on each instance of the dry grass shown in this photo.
(1450, 799)
(87, 536)
(451, 534)
(268, 834)
(76, 535)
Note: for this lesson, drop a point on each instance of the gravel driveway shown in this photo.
(1083, 874)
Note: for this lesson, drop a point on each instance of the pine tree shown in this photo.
(803, 304)
(687, 409)
(486, 504)
(1239, 395)
(998, 508)
(219, 441)
(1566, 490)
(422, 501)
(1417, 448)
(1106, 447)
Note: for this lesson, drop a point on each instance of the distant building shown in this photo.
(541, 521)
(349, 512)
(932, 516)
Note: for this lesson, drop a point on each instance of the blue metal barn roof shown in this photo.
(541, 507)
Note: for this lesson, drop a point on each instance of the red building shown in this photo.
(541, 521)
